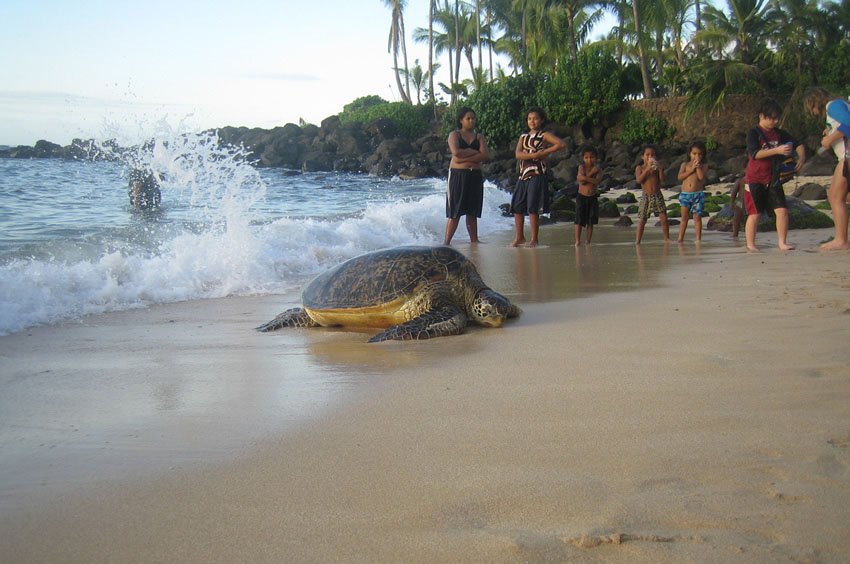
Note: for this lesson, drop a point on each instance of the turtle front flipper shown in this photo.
(295, 317)
(433, 323)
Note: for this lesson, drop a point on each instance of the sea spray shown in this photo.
(70, 245)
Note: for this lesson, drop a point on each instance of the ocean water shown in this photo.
(71, 246)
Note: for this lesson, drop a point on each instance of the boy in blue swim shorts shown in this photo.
(692, 197)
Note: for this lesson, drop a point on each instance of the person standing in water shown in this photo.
(465, 190)
(692, 173)
(531, 195)
(650, 175)
(836, 111)
(143, 190)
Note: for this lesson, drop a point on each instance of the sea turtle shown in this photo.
(410, 292)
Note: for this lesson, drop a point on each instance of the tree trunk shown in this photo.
(406, 67)
(571, 32)
(490, 39)
(698, 15)
(478, 31)
(644, 66)
(457, 50)
(431, 7)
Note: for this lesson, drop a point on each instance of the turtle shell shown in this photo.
(382, 277)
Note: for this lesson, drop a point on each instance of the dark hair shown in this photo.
(589, 149)
(770, 108)
(699, 145)
(461, 112)
(648, 146)
(538, 111)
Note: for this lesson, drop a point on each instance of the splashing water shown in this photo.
(70, 245)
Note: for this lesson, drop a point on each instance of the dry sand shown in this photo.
(702, 417)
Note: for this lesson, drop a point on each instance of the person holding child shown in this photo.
(531, 195)
(692, 197)
(587, 200)
(820, 103)
(767, 147)
(650, 174)
(465, 190)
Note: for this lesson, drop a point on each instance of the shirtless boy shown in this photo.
(587, 200)
(692, 198)
(650, 175)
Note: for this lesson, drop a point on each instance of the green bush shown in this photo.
(641, 127)
(363, 104)
(410, 120)
(834, 68)
(500, 107)
(584, 92)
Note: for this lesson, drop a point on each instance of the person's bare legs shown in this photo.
(534, 221)
(782, 228)
(737, 215)
(750, 229)
(698, 227)
(451, 227)
(589, 232)
(838, 202)
(519, 227)
(683, 225)
(472, 228)
(665, 227)
(639, 233)
(578, 234)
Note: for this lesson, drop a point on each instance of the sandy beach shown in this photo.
(656, 404)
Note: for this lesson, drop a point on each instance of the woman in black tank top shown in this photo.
(465, 190)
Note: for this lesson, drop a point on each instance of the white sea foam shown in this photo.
(226, 229)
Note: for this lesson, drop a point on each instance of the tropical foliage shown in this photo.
(706, 50)
(410, 120)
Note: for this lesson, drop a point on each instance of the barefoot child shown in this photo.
(821, 103)
(587, 200)
(692, 198)
(767, 147)
(650, 175)
(736, 202)
(531, 195)
(465, 190)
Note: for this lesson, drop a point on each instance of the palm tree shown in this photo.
(793, 26)
(431, 10)
(644, 66)
(397, 42)
(744, 28)
(576, 11)
(418, 76)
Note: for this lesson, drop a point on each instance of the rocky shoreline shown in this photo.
(378, 148)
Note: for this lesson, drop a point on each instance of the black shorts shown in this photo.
(759, 198)
(587, 210)
(531, 196)
(465, 192)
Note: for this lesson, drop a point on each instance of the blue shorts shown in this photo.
(694, 201)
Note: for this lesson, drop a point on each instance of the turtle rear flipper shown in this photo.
(295, 317)
(434, 323)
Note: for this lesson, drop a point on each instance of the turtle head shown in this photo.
(491, 308)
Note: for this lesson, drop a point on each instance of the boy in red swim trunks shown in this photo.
(767, 147)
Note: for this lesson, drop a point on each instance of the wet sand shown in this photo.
(662, 403)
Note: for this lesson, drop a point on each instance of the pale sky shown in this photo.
(79, 68)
